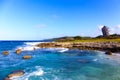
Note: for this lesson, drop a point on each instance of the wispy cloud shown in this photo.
(117, 29)
(118, 26)
(112, 29)
(100, 27)
(98, 32)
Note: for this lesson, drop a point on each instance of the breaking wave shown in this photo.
(29, 46)
(39, 72)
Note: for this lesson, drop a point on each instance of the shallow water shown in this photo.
(56, 64)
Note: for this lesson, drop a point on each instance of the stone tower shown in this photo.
(105, 31)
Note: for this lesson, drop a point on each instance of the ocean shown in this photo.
(56, 63)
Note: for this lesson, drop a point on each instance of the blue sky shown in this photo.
(42, 19)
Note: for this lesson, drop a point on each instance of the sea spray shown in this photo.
(29, 46)
(26, 76)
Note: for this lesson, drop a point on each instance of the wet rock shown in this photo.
(102, 46)
(83, 61)
(108, 53)
(27, 57)
(45, 45)
(15, 74)
(5, 53)
(34, 48)
(18, 51)
(7, 78)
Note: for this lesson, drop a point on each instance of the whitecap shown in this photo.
(33, 43)
(14, 78)
(38, 72)
(95, 59)
(56, 49)
(29, 46)
(63, 50)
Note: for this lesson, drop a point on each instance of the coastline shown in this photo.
(19, 73)
(100, 46)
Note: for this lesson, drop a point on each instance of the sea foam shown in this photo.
(38, 72)
(29, 46)
(33, 43)
(63, 50)
(57, 49)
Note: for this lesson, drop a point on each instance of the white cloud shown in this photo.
(82, 34)
(112, 30)
(117, 29)
(100, 27)
(118, 26)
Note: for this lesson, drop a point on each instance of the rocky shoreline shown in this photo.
(101, 46)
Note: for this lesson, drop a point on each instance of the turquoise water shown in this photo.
(56, 64)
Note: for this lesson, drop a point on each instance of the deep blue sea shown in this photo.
(56, 63)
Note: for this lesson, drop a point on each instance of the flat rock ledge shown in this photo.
(102, 46)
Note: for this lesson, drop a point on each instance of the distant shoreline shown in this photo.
(101, 46)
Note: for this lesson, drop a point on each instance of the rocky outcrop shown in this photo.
(15, 74)
(27, 57)
(104, 46)
(108, 53)
(18, 51)
(5, 53)
(7, 78)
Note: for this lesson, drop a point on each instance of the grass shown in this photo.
(94, 40)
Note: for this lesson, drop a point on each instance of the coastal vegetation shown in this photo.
(100, 38)
(105, 37)
(105, 42)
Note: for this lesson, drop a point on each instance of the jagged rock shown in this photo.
(5, 53)
(108, 53)
(15, 74)
(27, 57)
(102, 46)
(18, 51)
(46, 45)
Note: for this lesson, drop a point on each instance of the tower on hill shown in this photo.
(105, 31)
